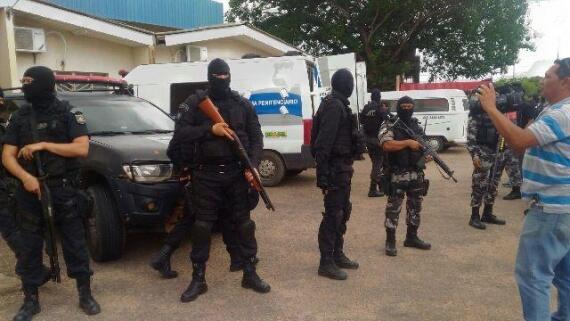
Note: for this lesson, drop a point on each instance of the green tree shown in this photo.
(531, 85)
(458, 38)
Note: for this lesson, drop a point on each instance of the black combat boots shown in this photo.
(31, 305)
(198, 285)
(343, 262)
(391, 242)
(329, 269)
(373, 190)
(412, 239)
(475, 221)
(86, 301)
(489, 217)
(515, 194)
(251, 279)
(161, 262)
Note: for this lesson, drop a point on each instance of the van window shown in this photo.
(180, 91)
(425, 105)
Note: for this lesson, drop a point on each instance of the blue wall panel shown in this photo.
(184, 14)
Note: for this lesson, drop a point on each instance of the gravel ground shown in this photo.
(468, 274)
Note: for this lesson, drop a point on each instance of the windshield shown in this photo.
(123, 116)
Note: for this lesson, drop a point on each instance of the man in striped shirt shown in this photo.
(544, 247)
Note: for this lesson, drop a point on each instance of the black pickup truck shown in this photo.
(127, 171)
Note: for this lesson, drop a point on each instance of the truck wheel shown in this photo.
(437, 143)
(105, 230)
(271, 169)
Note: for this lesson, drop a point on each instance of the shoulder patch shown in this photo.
(80, 118)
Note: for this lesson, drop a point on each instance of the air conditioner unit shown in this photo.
(196, 53)
(30, 39)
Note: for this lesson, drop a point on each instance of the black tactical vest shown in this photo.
(487, 134)
(405, 159)
(219, 150)
(52, 126)
(372, 119)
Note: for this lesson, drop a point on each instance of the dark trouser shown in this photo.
(337, 210)
(214, 191)
(68, 223)
(8, 225)
(183, 229)
(376, 156)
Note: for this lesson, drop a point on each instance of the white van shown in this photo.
(443, 112)
(285, 91)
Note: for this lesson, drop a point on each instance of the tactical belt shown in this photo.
(219, 168)
(57, 181)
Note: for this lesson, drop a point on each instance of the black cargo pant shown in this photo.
(227, 193)
(337, 209)
(376, 156)
(8, 225)
(183, 228)
(69, 224)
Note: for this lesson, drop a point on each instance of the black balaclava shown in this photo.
(41, 91)
(343, 82)
(376, 95)
(220, 88)
(405, 115)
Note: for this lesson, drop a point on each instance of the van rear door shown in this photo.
(329, 64)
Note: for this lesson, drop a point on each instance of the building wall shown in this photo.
(219, 48)
(184, 14)
(84, 53)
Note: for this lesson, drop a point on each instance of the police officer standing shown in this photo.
(406, 164)
(333, 146)
(483, 145)
(61, 140)
(218, 177)
(371, 118)
(8, 226)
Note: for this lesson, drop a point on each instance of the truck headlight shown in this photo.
(148, 173)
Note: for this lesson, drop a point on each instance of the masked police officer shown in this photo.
(405, 167)
(218, 177)
(61, 140)
(334, 145)
(371, 118)
(183, 161)
(483, 145)
(8, 227)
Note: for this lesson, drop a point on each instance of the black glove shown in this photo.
(201, 95)
(322, 177)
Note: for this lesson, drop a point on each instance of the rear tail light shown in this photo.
(307, 127)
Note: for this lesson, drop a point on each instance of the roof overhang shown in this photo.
(80, 21)
(240, 32)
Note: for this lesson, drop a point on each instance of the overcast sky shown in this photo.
(551, 30)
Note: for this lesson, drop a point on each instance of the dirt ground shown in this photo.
(468, 274)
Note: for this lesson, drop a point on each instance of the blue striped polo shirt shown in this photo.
(546, 167)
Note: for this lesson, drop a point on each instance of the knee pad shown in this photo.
(247, 230)
(201, 231)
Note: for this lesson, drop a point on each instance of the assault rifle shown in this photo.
(427, 149)
(47, 209)
(493, 170)
(211, 111)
